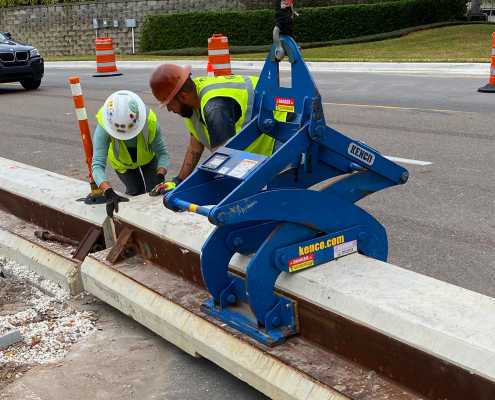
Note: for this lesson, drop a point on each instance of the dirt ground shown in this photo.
(11, 371)
(45, 316)
(11, 296)
(111, 357)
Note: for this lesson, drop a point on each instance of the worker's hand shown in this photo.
(165, 187)
(160, 178)
(113, 200)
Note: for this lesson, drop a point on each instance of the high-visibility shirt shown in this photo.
(240, 89)
(118, 154)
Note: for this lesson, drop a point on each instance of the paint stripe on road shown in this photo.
(399, 108)
(408, 161)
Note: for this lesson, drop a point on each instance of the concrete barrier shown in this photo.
(442, 322)
(49, 189)
(45, 262)
(27, 190)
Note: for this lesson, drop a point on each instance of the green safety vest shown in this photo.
(119, 156)
(241, 89)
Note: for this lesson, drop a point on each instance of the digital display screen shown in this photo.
(215, 161)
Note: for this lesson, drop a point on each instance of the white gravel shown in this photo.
(48, 324)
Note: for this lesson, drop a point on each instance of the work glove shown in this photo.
(160, 178)
(113, 200)
(165, 187)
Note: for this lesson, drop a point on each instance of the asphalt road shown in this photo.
(441, 223)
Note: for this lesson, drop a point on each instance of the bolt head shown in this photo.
(268, 124)
(238, 242)
(231, 298)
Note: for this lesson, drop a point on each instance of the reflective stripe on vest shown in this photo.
(200, 129)
(247, 85)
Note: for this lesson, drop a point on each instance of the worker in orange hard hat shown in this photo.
(214, 110)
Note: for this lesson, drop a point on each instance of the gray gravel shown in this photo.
(39, 309)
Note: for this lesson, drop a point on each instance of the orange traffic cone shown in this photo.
(105, 58)
(210, 70)
(490, 87)
(218, 54)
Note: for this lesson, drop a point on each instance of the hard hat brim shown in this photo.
(136, 129)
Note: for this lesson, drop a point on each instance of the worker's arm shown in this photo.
(221, 115)
(101, 141)
(191, 159)
(160, 148)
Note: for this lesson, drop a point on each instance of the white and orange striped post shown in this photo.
(490, 87)
(218, 54)
(96, 194)
(105, 58)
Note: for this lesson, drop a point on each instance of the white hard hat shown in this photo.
(124, 115)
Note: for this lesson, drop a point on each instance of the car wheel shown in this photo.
(30, 84)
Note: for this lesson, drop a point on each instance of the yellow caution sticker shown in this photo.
(299, 263)
(285, 104)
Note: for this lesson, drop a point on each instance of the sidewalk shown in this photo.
(426, 69)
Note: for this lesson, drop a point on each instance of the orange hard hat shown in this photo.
(166, 81)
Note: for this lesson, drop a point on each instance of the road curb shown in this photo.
(387, 68)
(199, 337)
(45, 262)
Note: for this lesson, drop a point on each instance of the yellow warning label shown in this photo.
(285, 104)
(296, 264)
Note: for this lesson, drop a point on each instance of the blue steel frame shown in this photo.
(293, 210)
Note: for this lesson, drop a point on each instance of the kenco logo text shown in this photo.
(361, 153)
(322, 245)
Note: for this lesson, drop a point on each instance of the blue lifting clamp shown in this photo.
(291, 211)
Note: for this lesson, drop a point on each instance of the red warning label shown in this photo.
(284, 104)
(299, 263)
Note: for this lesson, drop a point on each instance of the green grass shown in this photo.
(461, 43)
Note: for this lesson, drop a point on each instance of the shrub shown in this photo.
(18, 3)
(183, 30)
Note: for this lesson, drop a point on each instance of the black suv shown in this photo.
(20, 63)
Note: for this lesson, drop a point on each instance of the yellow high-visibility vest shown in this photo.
(118, 154)
(237, 87)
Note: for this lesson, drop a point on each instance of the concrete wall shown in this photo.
(67, 29)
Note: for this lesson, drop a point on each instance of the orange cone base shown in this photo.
(489, 88)
(103, 74)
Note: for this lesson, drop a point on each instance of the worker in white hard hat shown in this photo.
(129, 137)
